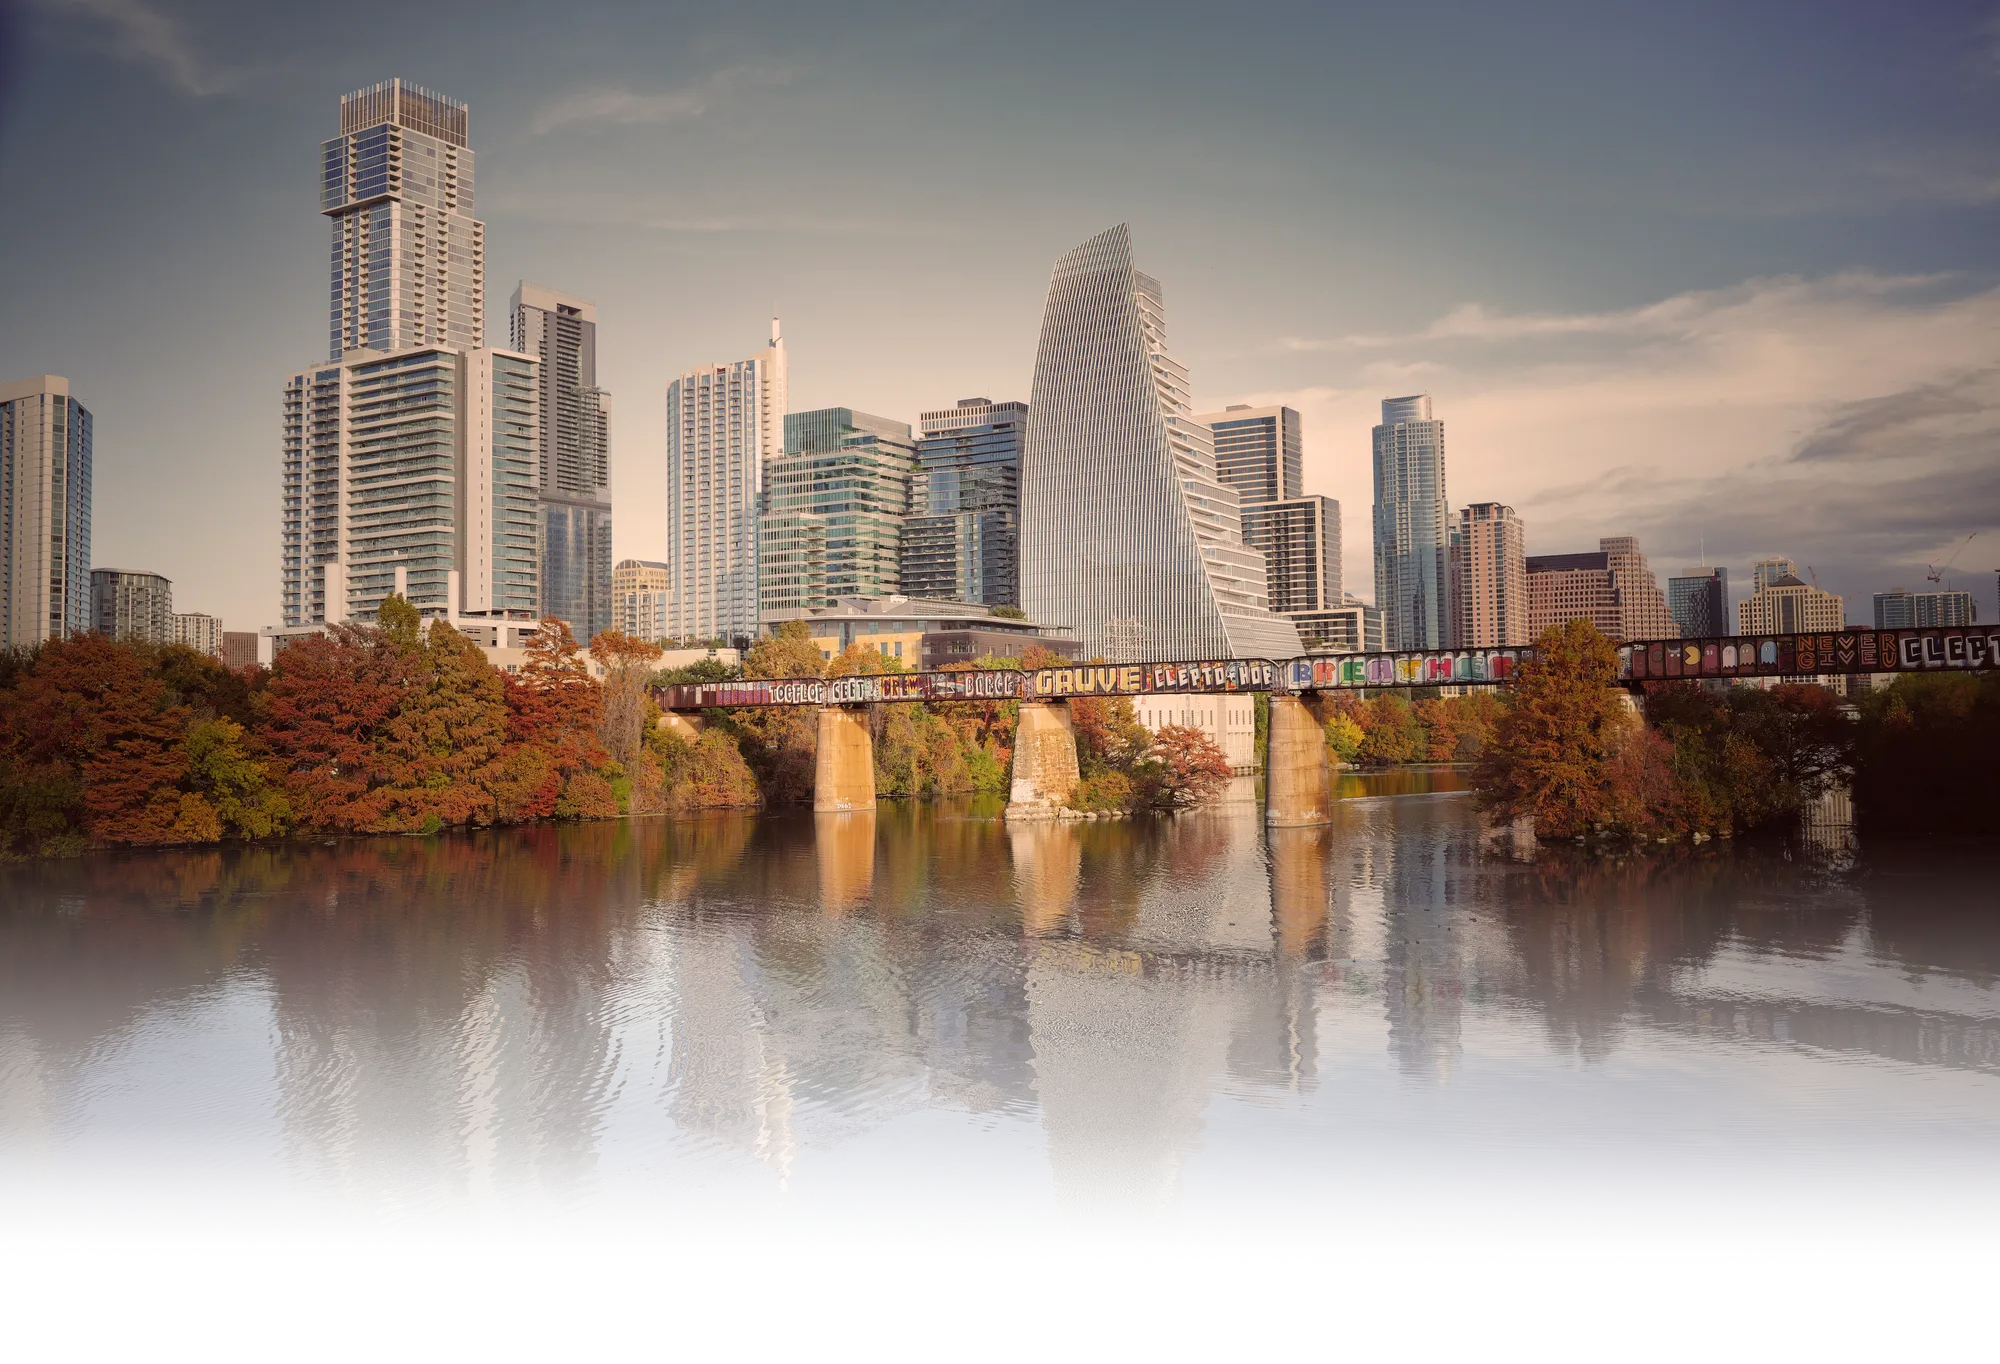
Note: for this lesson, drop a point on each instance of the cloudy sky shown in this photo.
(1723, 276)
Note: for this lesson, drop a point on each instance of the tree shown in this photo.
(440, 754)
(1344, 737)
(788, 651)
(1553, 748)
(328, 696)
(1390, 731)
(1182, 769)
(628, 669)
(229, 794)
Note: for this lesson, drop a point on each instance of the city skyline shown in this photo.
(1710, 335)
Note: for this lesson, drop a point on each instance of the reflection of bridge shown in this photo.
(1298, 787)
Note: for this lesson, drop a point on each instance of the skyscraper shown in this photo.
(1412, 576)
(1567, 587)
(1699, 601)
(834, 504)
(641, 599)
(1259, 453)
(45, 444)
(725, 423)
(573, 460)
(1129, 538)
(1787, 605)
(1489, 578)
(409, 259)
(1766, 572)
(962, 541)
(134, 608)
(200, 632)
(1642, 607)
(1901, 610)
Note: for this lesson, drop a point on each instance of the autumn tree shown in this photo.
(1183, 768)
(1552, 750)
(780, 742)
(628, 671)
(328, 697)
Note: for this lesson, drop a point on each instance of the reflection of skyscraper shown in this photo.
(1411, 535)
(1123, 515)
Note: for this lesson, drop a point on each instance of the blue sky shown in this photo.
(1717, 275)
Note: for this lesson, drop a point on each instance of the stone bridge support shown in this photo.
(1298, 783)
(844, 764)
(1045, 773)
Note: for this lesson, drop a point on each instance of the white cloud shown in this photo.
(606, 106)
(1851, 421)
(137, 32)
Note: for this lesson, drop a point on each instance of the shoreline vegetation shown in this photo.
(404, 727)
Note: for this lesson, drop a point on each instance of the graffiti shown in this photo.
(991, 685)
(1821, 654)
(1143, 679)
(1480, 667)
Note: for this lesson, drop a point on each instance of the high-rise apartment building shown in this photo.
(1901, 610)
(1699, 602)
(45, 453)
(1259, 452)
(1642, 607)
(199, 632)
(642, 599)
(1567, 587)
(1489, 578)
(1786, 606)
(962, 540)
(419, 464)
(1412, 531)
(573, 455)
(1129, 538)
(1353, 627)
(409, 259)
(133, 608)
(725, 424)
(834, 504)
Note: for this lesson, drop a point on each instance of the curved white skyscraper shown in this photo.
(1128, 537)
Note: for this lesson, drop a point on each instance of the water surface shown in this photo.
(928, 1026)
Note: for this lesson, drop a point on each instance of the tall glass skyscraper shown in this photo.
(962, 541)
(1128, 536)
(834, 504)
(409, 259)
(45, 439)
(573, 459)
(1699, 601)
(1412, 527)
(725, 424)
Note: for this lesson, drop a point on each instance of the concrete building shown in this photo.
(1128, 534)
(1353, 627)
(1642, 607)
(240, 648)
(1489, 578)
(1229, 721)
(725, 425)
(1699, 602)
(641, 599)
(409, 258)
(1567, 587)
(1412, 526)
(572, 456)
(418, 467)
(201, 633)
(45, 461)
(834, 504)
(1786, 606)
(1901, 610)
(921, 634)
(1259, 451)
(962, 540)
(132, 607)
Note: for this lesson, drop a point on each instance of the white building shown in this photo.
(45, 454)
(1129, 538)
(199, 632)
(1229, 721)
(641, 599)
(724, 424)
(572, 456)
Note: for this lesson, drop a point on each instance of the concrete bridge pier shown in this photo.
(1298, 784)
(844, 764)
(1045, 773)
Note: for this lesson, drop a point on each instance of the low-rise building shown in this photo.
(240, 648)
(199, 632)
(1228, 719)
(920, 633)
(1353, 627)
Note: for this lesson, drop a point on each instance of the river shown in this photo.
(1050, 1065)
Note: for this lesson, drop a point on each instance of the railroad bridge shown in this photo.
(1298, 778)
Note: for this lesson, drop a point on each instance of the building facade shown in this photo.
(834, 505)
(1788, 606)
(1699, 602)
(1354, 627)
(133, 608)
(1489, 578)
(918, 633)
(573, 455)
(1300, 541)
(1900, 610)
(1259, 451)
(199, 632)
(962, 540)
(240, 648)
(45, 487)
(1412, 530)
(418, 467)
(1129, 538)
(642, 599)
(1642, 607)
(409, 257)
(725, 425)
(1567, 587)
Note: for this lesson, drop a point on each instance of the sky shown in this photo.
(1723, 277)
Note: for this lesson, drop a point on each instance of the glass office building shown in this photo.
(834, 505)
(1698, 600)
(962, 541)
(573, 455)
(45, 490)
(1412, 529)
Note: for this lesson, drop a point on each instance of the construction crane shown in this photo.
(1936, 575)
